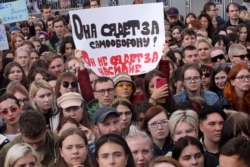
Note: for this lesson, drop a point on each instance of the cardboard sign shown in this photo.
(4, 45)
(118, 39)
(14, 11)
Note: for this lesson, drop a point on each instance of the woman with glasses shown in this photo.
(191, 76)
(156, 124)
(124, 108)
(20, 92)
(237, 89)
(43, 100)
(10, 112)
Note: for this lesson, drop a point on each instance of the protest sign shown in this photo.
(13, 11)
(118, 39)
(4, 45)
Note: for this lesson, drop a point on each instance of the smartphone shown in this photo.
(160, 82)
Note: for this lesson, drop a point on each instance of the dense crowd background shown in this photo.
(192, 110)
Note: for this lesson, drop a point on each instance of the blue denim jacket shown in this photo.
(210, 97)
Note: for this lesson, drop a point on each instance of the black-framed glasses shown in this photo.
(163, 123)
(66, 84)
(243, 77)
(242, 57)
(218, 58)
(103, 91)
(206, 75)
(25, 100)
(190, 79)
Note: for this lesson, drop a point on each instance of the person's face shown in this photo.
(233, 12)
(236, 59)
(23, 58)
(203, 49)
(56, 67)
(23, 100)
(59, 28)
(218, 59)
(213, 11)
(243, 34)
(241, 85)
(177, 34)
(111, 155)
(92, 78)
(188, 40)
(139, 120)
(173, 19)
(25, 30)
(68, 85)
(47, 13)
(221, 44)
(211, 127)
(18, 42)
(74, 151)
(37, 45)
(94, 4)
(184, 129)
(73, 66)
(204, 22)
(50, 26)
(191, 156)
(164, 164)
(69, 49)
(142, 151)
(28, 160)
(38, 29)
(15, 74)
(161, 131)
(9, 111)
(124, 89)
(110, 125)
(104, 92)
(231, 161)
(42, 38)
(75, 112)
(43, 98)
(189, 18)
(206, 79)
(36, 143)
(192, 80)
(66, 126)
(220, 79)
(34, 56)
(125, 115)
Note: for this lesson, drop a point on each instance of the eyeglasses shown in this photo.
(242, 57)
(126, 114)
(163, 123)
(66, 84)
(217, 58)
(12, 109)
(25, 100)
(206, 75)
(243, 77)
(190, 79)
(103, 91)
(122, 85)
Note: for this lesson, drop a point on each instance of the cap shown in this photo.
(70, 99)
(122, 77)
(102, 113)
(172, 11)
(13, 28)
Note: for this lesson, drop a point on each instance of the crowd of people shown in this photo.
(193, 110)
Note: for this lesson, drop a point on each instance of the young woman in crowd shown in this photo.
(72, 65)
(10, 113)
(188, 151)
(141, 146)
(206, 23)
(34, 55)
(189, 17)
(36, 74)
(66, 82)
(112, 146)
(237, 89)
(206, 79)
(219, 78)
(21, 154)
(16, 41)
(156, 124)
(204, 47)
(158, 95)
(163, 161)
(140, 110)
(176, 33)
(183, 123)
(244, 34)
(43, 100)
(14, 72)
(73, 149)
(67, 47)
(20, 92)
(124, 108)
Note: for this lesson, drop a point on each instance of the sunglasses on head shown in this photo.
(218, 58)
(65, 84)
